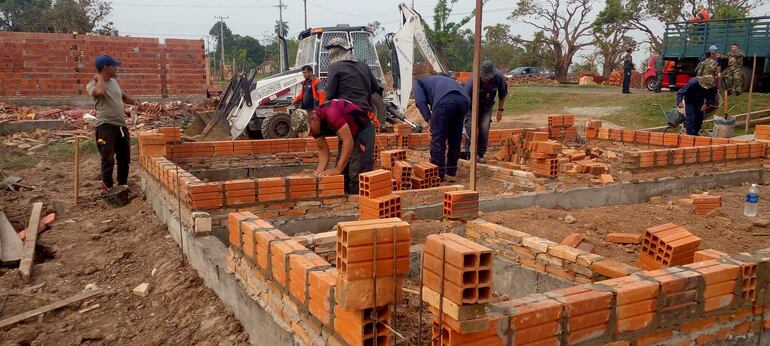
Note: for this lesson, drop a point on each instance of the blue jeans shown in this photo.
(485, 122)
(693, 118)
(446, 130)
(627, 79)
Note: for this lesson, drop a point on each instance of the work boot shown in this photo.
(480, 159)
(450, 178)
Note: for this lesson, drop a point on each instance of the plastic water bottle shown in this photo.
(752, 201)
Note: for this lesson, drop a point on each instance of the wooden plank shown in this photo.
(10, 244)
(28, 256)
(451, 309)
(50, 307)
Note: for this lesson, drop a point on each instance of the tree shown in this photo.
(61, 16)
(247, 51)
(284, 26)
(536, 52)
(565, 24)
(610, 29)
(498, 45)
(444, 33)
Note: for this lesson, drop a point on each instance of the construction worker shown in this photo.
(443, 103)
(698, 97)
(111, 131)
(628, 68)
(351, 124)
(311, 94)
(700, 16)
(492, 84)
(349, 78)
(734, 73)
(709, 66)
(660, 64)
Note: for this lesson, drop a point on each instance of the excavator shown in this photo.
(262, 108)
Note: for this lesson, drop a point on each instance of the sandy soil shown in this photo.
(116, 249)
(728, 231)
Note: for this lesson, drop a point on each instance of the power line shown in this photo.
(191, 6)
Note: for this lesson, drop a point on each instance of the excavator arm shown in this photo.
(401, 44)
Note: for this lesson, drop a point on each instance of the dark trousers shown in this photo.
(446, 130)
(360, 161)
(114, 144)
(693, 118)
(627, 79)
(658, 80)
(485, 123)
(672, 80)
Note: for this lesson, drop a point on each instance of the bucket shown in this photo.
(723, 128)
(116, 197)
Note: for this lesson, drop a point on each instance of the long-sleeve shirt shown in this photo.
(695, 94)
(489, 90)
(428, 91)
(352, 81)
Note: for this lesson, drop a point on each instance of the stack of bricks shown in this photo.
(667, 245)
(635, 302)
(241, 191)
(544, 159)
(562, 127)
(762, 132)
(402, 175)
(330, 186)
(402, 131)
(171, 134)
(457, 285)
(389, 157)
(461, 205)
(720, 283)
(705, 203)
(425, 176)
(205, 195)
(372, 257)
(271, 189)
(376, 200)
(151, 144)
(592, 128)
(302, 187)
(586, 311)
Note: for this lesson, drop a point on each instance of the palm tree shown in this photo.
(284, 27)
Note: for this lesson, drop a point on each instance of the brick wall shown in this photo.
(562, 261)
(45, 65)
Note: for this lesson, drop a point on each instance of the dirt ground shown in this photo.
(728, 230)
(115, 249)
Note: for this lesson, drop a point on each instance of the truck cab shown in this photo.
(684, 43)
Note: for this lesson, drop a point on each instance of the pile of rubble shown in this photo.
(532, 79)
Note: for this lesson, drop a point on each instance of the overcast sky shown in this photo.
(194, 18)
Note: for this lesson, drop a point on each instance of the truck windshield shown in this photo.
(306, 52)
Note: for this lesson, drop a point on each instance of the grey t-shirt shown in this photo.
(109, 107)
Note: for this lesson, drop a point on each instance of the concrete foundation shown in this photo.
(12, 127)
(207, 255)
(515, 280)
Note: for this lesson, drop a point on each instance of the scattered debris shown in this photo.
(624, 238)
(28, 256)
(760, 222)
(142, 290)
(657, 200)
(50, 307)
(92, 307)
(569, 219)
(11, 247)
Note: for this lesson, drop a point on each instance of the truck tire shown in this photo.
(277, 126)
(747, 79)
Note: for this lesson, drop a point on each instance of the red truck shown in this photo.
(670, 71)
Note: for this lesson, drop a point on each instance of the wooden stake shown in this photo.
(751, 91)
(475, 97)
(77, 169)
(28, 256)
(50, 307)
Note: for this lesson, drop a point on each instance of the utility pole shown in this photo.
(305, 1)
(280, 33)
(222, 43)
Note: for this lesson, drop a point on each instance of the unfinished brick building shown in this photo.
(301, 263)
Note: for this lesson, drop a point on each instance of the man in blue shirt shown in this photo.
(698, 96)
(492, 84)
(443, 104)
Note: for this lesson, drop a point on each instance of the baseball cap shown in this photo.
(338, 42)
(299, 123)
(713, 48)
(487, 69)
(105, 60)
(707, 82)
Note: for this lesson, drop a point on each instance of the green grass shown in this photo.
(639, 109)
(18, 161)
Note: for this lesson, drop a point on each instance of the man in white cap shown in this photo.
(351, 124)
